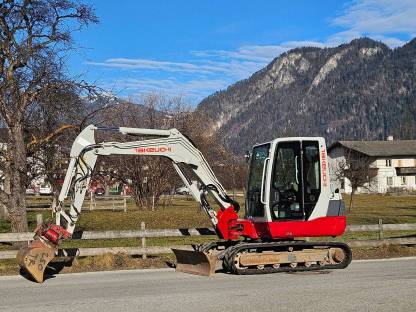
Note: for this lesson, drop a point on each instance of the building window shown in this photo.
(389, 181)
(388, 162)
(403, 180)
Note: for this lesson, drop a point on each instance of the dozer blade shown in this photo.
(34, 258)
(195, 262)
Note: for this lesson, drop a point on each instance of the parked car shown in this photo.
(183, 191)
(99, 191)
(45, 189)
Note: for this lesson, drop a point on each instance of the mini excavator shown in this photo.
(288, 198)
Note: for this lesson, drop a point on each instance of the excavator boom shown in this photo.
(84, 152)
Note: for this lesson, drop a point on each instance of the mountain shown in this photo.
(360, 90)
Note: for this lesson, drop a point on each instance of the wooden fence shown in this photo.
(107, 203)
(41, 203)
(110, 202)
(144, 250)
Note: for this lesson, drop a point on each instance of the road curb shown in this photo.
(384, 259)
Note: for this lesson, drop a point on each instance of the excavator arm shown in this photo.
(166, 143)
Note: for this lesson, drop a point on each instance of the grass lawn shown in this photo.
(367, 209)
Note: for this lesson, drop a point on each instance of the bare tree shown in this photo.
(357, 168)
(33, 37)
(5, 183)
(147, 177)
(56, 119)
(230, 169)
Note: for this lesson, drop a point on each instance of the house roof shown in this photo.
(380, 148)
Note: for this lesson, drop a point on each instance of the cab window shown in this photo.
(255, 208)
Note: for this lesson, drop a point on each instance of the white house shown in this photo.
(393, 160)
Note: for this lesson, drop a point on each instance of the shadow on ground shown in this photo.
(52, 269)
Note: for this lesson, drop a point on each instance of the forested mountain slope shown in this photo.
(359, 90)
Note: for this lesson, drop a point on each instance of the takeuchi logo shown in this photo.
(323, 168)
(156, 149)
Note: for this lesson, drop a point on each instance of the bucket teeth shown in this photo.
(35, 257)
(195, 262)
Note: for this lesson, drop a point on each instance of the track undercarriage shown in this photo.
(267, 257)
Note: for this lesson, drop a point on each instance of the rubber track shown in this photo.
(205, 247)
(231, 253)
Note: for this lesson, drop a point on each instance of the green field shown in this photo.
(367, 209)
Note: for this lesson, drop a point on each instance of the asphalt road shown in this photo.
(364, 286)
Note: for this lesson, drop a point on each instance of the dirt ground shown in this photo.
(388, 251)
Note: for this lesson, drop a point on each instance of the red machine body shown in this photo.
(326, 226)
(231, 228)
(52, 232)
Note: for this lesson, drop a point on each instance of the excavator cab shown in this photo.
(285, 179)
(288, 185)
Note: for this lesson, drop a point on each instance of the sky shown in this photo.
(196, 47)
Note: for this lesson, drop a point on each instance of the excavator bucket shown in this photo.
(34, 258)
(195, 262)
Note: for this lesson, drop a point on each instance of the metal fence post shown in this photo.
(380, 229)
(91, 201)
(143, 228)
(39, 219)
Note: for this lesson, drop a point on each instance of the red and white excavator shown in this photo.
(288, 198)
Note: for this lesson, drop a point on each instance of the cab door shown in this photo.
(286, 189)
(256, 186)
(295, 180)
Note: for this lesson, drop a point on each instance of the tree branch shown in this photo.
(37, 141)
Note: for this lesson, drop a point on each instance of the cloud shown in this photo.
(132, 64)
(237, 64)
(256, 53)
(193, 89)
(233, 67)
(379, 16)
(380, 19)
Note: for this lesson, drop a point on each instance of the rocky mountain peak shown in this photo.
(358, 90)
